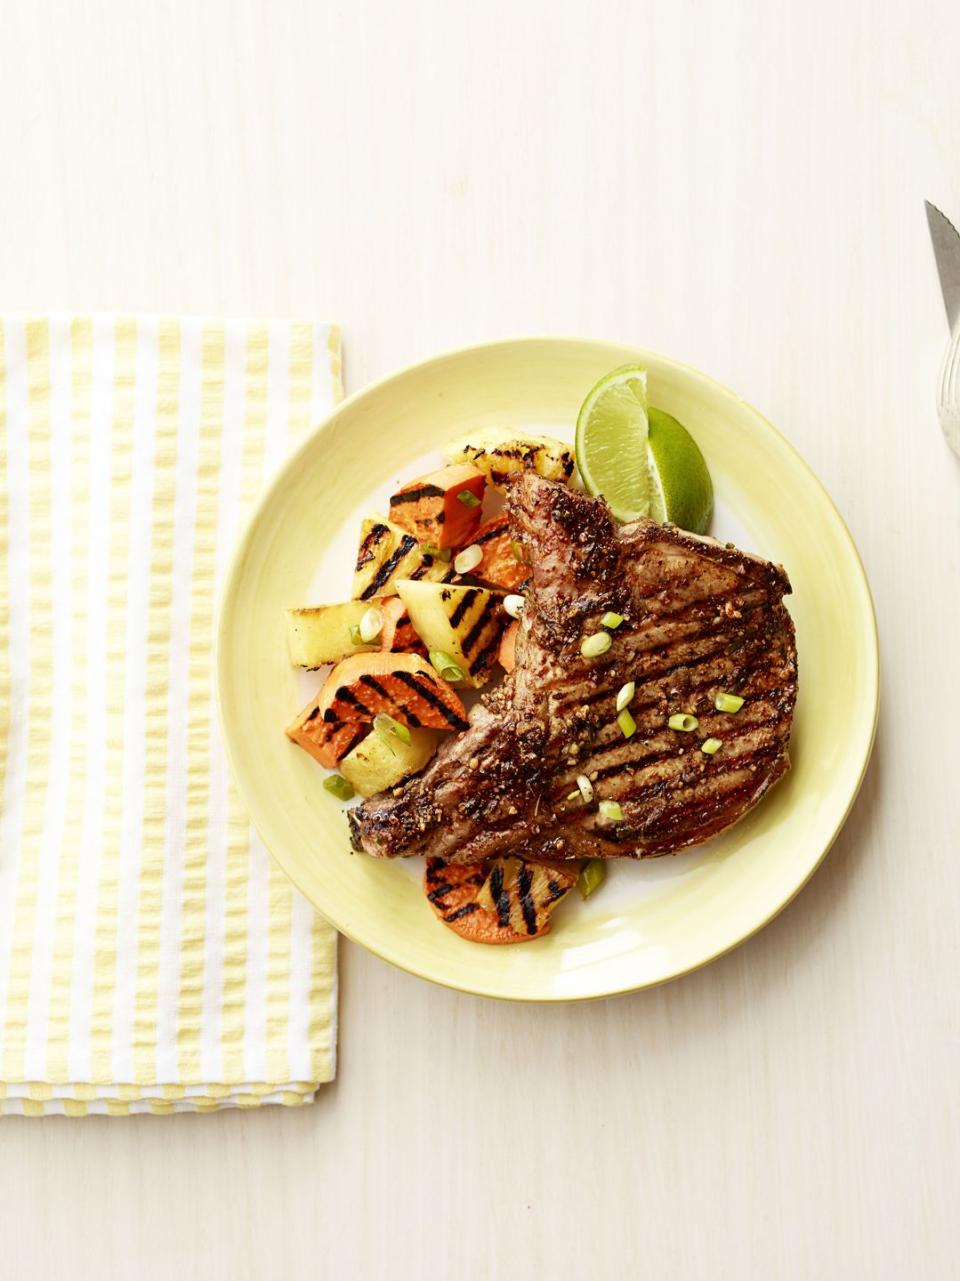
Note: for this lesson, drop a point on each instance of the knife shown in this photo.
(946, 250)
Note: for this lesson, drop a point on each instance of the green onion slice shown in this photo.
(592, 876)
(683, 721)
(611, 620)
(355, 634)
(625, 697)
(585, 787)
(628, 725)
(371, 625)
(468, 498)
(514, 604)
(711, 746)
(339, 787)
(437, 553)
(386, 727)
(728, 702)
(468, 559)
(611, 810)
(596, 644)
(447, 666)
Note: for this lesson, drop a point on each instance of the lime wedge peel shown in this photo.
(681, 490)
(612, 433)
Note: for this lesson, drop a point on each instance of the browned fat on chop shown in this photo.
(700, 618)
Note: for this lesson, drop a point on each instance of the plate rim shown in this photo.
(240, 555)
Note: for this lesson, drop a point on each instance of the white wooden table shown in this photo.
(739, 185)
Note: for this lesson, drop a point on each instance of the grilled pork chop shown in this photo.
(699, 618)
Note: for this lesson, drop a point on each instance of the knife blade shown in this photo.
(946, 250)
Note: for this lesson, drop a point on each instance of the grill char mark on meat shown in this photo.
(700, 618)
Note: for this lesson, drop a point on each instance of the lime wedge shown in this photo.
(612, 442)
(681, 490)
(640, 459)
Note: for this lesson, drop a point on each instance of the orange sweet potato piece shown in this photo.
(506, 654)
(499, 566)
(403, 686)
(452, 890)
(431, 508)
(398, 633)
(326, 741)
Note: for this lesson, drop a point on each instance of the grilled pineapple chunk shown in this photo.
(500, 454)
(523, 893)
(320, 634)
(387, 553)
(377, 764)
(464, 622)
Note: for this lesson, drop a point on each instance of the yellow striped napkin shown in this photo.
(152, 956)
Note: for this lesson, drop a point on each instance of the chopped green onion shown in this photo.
(355, 634)
(448, 667)
(585, 787)
(611, 810)
(385, 726)
(625, 697)
(595, 645)
(339, 787)
(437, 553)
(611, 620)
(468, 559)
(592, 876)
(371, 625)
(468, 498)
(627, 724)
(517, 548)
(728, 702)
(711, 746)
(574, 795)
(683, 721)
(514, 604)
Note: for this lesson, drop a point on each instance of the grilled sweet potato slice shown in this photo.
(399, 634)
(507, 653)
(403, 686)
(455, 892)
(326, 741)
(443, 508)
(500, 566)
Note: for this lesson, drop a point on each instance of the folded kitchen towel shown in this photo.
(152, 956)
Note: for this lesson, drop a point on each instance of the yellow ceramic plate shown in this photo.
(651, 921)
